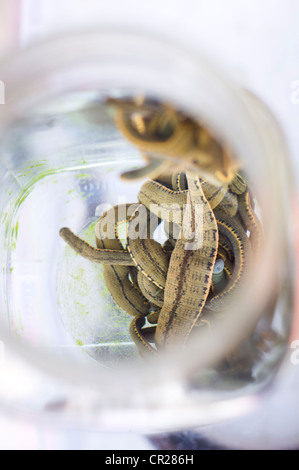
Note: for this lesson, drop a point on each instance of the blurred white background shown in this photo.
(257, 42)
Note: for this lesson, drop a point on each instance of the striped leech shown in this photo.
(190, 273)
(162, 132)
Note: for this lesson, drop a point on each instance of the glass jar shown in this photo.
(61, 160)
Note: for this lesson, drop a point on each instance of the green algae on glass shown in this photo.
(12, 225)
(31, 167)
(17, 325)
(16, 229)
(83, 175)
(86, 307)
(110, 170)
(14, 232)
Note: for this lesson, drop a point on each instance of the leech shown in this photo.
(225, 251)
(242, 255)
(125, 293)
(153, 316)
(228, 265)
(169, 203)
(165, 203)
(189, 276)
(176, 144)
(154, 294)
(139, 336)
(225, 247)
(229, 204)
(214, 194)
(166, 132)
(120, 279)
(179, 181)
(165, 178)
(173, 232)
(147, 254)
(154, 192)
(238, 185)
(96, 255)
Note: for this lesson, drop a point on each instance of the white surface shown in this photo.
(258, 44)
(23, 435)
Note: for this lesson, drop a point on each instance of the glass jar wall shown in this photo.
(66, 161)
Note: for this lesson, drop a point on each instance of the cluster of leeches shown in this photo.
(195, 190)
